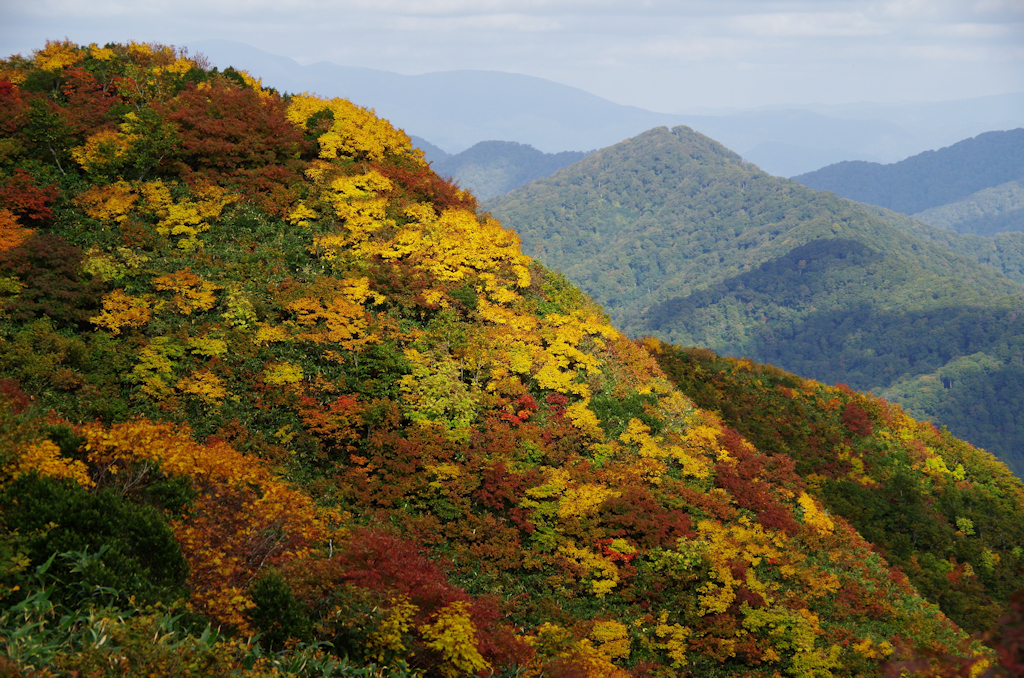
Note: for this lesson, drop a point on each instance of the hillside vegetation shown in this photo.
(277, 399)
(678, 237)
(492, 168)
(958, 179)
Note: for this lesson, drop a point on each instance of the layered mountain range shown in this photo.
(680, 238)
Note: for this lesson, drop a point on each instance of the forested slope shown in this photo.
(277, 399)
(678, 237)
(929, 179)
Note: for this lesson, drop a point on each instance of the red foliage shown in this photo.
(12, 107)
(742, 479)
(390, 565)
(422, 184)
(523, 407)
(637, 515)
(857, 420)
(20, 194)
(12, 395)
(89, 103)
(231, 135)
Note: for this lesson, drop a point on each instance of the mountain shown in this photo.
(492, 168)
(277, 399)
(678, 237)
(934, 179)
(988, 212)
(458, 109)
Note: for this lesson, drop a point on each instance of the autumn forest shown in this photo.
(277, 399)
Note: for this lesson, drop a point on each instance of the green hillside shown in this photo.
(276, 399)
(492, 168)
(678, 237)
(930, 179)
(989, 211)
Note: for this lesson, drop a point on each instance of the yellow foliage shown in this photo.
(355, 132)
(672, 638)
(453, 635)
(121, 310)
(604, 573)
(584, 419)
(814, 516)
(45, 459)
(612, 638)
(207, 346)
(243, 516)
(191, 293)
(280, 374)
(108, 203)
(110, 268)
(584, 500)
(155, 368)
(57, 55)
(387, 637)
(102, 149)
(185, 217)
(205, 385)
(269, 334)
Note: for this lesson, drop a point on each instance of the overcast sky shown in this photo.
(663, 55)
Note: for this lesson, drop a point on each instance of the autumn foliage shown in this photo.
(385, 440)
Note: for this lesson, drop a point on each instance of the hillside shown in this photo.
(933, 178)
(990, 211)
(492, 168)
(277, 399)
(676, 236)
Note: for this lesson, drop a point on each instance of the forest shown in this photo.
(277, 399)
(679, 238)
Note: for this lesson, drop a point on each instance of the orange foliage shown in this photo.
(242, 520)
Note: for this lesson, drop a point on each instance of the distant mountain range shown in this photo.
(973, 186)
(493, 168)
(681, 238)
(457, 109)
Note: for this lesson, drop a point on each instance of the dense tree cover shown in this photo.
(861, 455)
(929, 179)
(492, 168)
(680, 239)
(989, 211)
(363, 433)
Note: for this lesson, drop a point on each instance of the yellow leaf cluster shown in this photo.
(57, 55)
(604, 572)
(355, 132)
(453, 635)
(45, 459)
(813, 515)
(204, 385)
(280, 374)
(121, 310)
(185, 217)
(612, 638)
(108, 203)
(191, 293)
(103, 149)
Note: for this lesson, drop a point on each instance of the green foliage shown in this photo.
(680, 239)
(278, 616)
(136, 553)
(492, 168)
(928, 179)
(863, 458)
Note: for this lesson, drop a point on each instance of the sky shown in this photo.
(662, 55)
